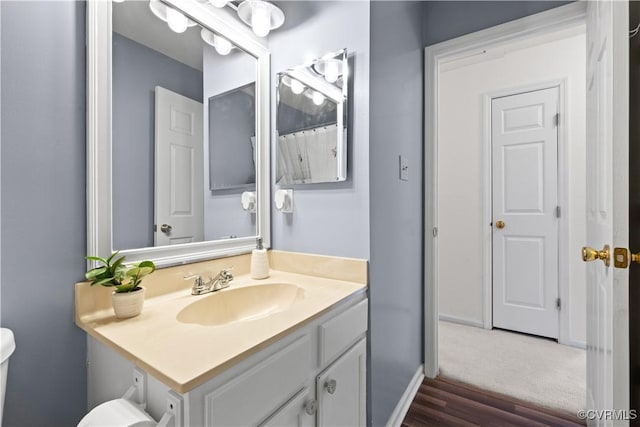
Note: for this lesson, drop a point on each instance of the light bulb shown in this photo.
(218, 3)
(318, 98)
(222, 45)
(296, 87)
(261, 20)
(176, 20)
(331, 71)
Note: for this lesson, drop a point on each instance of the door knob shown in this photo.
(166, 228)
(590, 254)
(621, 257)
(500, 224)
(331, 386)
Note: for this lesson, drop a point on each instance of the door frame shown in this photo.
(563, 190)
(571, 15)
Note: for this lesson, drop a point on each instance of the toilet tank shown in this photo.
(7, 346)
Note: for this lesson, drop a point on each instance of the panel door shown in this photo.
(525, 224)
(179, 169)
(342, 389)
(607, 206)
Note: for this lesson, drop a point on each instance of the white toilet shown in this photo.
(117, 413)
(7, 346)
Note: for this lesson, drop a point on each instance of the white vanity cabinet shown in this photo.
(314, 375)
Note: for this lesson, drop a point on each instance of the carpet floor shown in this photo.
(532, 369)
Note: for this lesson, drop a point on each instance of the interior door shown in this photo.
(179, 169)
(524, 138)
(607, 206)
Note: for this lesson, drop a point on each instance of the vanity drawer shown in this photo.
(340, 332)
(251, 397)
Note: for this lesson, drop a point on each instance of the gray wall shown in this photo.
(328, 218)
(444, 20)
(137, 70)
(43, 209)
(396, 213)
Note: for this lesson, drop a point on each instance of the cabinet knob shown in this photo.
(330, 385)
(311, 407)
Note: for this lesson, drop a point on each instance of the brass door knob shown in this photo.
(590, 254)
(500, 224)
(621, 257)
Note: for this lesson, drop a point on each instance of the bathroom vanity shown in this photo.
(287, 350)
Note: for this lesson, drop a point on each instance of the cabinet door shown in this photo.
(342, 389)
(299, 412)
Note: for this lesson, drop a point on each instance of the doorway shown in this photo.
(464, 224)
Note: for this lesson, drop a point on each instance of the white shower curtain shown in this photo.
(308, 156)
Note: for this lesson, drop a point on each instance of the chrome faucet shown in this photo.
(221, 281)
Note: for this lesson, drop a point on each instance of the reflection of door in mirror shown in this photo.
(179, 171)
(146, 53)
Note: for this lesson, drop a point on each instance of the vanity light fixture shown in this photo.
(175, 19)
(260, 15)
(219, 43)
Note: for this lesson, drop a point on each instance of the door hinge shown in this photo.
(435, 231)
(558, 211)
(558, 304)
(556, 119)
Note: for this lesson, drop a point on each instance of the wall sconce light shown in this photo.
(260, 15)
(175, 19)
(219, 43)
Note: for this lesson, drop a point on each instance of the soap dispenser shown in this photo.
(259, 262)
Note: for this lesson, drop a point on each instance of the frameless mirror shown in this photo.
(184, 128)
(312, 121)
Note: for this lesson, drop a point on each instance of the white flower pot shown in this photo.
(128, 304)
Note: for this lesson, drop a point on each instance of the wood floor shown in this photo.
(444, 402)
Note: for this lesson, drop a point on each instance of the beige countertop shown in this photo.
(185, 355)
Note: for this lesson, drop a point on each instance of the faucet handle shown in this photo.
(225, 274)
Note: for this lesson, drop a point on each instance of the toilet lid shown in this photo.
(117, 413)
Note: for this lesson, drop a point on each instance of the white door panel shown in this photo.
(525, 197)
(607, 206)
(179, 184)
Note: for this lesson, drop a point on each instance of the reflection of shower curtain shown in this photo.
(308, 156)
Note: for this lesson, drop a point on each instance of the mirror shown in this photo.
(312, 121)
(180, 135)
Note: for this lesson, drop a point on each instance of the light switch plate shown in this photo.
(404, 169)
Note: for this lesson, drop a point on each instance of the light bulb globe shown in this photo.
(177, 21)
(261, 20)
(331, 71)
(318, 98)
(296, 87)
(222, 45)
(219, 3)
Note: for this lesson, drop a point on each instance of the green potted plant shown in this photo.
(128, 296)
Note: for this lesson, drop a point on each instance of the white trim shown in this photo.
(401, 409)
(99, 207)
(542, 23)
(462, 321)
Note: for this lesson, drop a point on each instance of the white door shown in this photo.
(607, 205)
(179, 169)
(524, 136)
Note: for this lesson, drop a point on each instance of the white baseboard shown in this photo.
(407, 398)
(461, 320)
(575, 343)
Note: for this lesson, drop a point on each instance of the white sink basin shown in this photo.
(241, 304)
